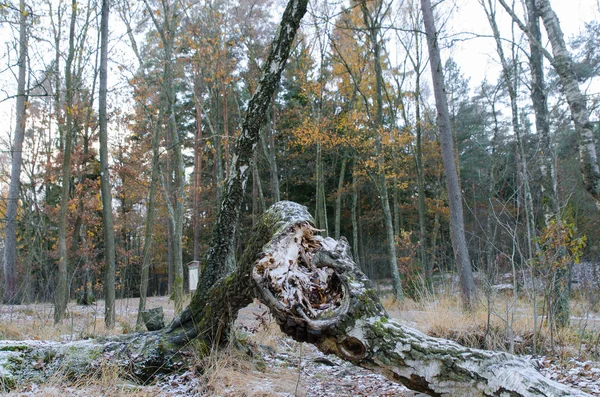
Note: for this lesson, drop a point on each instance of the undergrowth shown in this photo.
(502, 323)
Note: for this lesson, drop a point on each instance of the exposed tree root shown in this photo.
(318, 295)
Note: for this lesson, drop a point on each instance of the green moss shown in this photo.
(7, 383)
(83, 353)
(8, 367)
(200, 346)
(15, 348)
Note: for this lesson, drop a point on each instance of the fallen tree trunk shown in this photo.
(317, 294)
(146, 355)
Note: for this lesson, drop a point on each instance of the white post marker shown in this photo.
(193, 267)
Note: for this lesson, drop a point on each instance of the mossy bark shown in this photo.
(344, 316)
(146, 355)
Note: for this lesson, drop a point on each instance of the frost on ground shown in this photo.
(583, 375)
(276, 367)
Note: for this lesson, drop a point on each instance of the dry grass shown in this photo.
(228, 372)
(232, 373)
(442, 316)
(36, 321)
(109, 382)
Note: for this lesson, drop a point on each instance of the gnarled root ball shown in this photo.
(314, 289)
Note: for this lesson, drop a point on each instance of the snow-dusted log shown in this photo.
(317, 294)
(141, 356)
(145, 355)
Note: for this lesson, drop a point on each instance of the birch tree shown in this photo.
(561, 61)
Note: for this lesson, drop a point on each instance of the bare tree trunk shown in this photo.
(261, 204)
(425, 263)
(320, 202)
(355, 228)
(167, 31)
(107, 215)
(267, 140)
(258, 204)
(587, 145)
(197, 170)
(273, 156)
(457, 228)
(179, 214)
(338, 199)
(540, 107)
(61, 293)
(372, 23)
(10, 242)
(149, 226)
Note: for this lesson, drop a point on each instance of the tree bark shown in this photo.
(149, 227)
(61, 292)
(353, 325)
(10, 241)
(563, 65)
(197, 169)
(354, 215)
(580, 114)
(425, 263)
(321, 202)
(107, 215)
(457, 228)
(167, 31)
(372, 23)
(267, 140)
(338, 198)
(185, 325)
(550, 201)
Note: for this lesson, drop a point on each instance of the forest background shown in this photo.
(352, 134)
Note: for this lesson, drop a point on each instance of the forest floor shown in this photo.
(278, 366)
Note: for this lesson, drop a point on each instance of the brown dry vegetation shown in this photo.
(233, 371)
(442, 316)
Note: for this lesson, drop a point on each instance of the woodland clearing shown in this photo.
(271, 364)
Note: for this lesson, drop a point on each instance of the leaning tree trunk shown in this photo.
(317, 294)
(185, 325)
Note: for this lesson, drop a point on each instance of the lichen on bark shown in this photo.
(357, 328)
